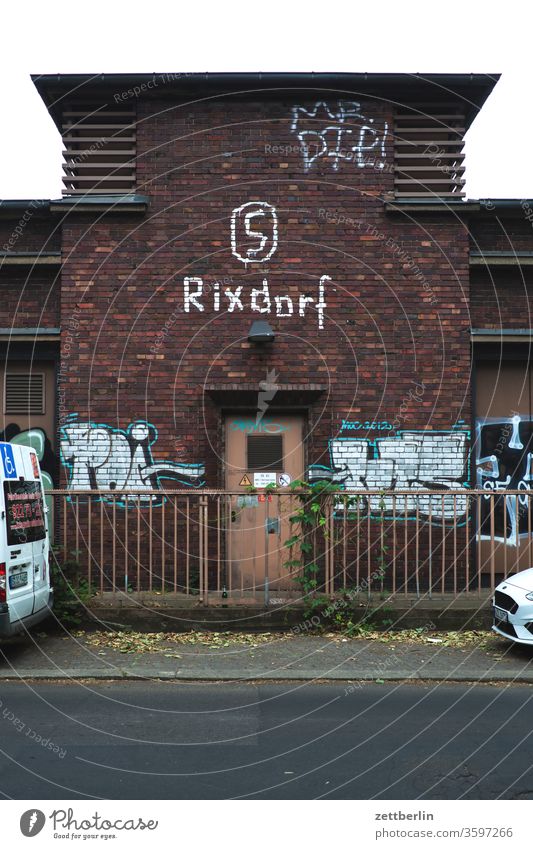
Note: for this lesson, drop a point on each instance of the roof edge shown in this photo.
(473, 88)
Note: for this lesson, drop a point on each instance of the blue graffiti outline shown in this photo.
(456, 428)
(156, 501)
(381, 425)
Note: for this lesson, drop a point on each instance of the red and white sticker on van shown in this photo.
(24, 512)
(35, 465)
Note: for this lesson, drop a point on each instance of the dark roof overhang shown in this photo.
(470, 90)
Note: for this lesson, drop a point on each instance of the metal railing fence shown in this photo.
(192, 542)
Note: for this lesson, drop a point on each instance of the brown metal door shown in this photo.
(259, 453)
(504, 454)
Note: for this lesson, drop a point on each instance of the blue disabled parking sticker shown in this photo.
(8, 460)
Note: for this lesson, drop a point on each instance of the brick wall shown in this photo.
(30, 293)
(29, 229)
(498, 230)
(502, 298)
(396, 289)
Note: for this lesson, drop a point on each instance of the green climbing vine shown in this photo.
(309, 524)
(309, 521)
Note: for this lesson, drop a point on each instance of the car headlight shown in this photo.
(529, 596)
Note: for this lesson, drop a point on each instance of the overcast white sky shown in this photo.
(50, 36)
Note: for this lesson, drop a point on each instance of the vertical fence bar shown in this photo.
(368, 546)
(150, 542)
(254, 564)
(528, 498)
(358, 543)
(467, 545)
(205, 546)
(505, 547)
(77, 530)
(187, 546)
(517, 515)
(267, 536)
(430, 546)
(493, 540)
(478, 543)
(417, 548)
(219, 544)
(393, 544)
(327, 542)
(406, 545)
(200, 551)
(344, 543)
(101, 546)
(454, 544)
(89, 542)
(326, 550)
(163, 577)
(331, 515)
(114, 544)
(443, 557)
(175, 559)
(64, 502)
(138, 511)
(382, 545)
(126, 543)
(280, 512)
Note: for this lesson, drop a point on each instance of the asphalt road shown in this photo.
(172, 740)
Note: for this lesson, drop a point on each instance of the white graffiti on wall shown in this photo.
(102, 457)
(244, 230)
(256, 299)
(345, 134)
(413, 460)
(504, 461)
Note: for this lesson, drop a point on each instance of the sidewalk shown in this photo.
(271, 657)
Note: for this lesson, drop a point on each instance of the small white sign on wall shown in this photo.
(262, 479)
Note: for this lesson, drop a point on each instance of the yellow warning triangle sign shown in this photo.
(245, 481)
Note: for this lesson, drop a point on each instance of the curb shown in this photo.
(443, 617)
(235, 677)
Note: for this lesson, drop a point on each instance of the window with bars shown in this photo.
(24, 393)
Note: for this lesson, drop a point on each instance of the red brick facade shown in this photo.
(371, 304)
(397, 291)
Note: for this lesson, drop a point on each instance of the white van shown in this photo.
(26, 597)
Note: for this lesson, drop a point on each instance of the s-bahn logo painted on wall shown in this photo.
(254, 239)
(254, 232)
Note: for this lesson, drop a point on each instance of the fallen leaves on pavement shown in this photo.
(422, 636)
(138, 643)
(134, 642)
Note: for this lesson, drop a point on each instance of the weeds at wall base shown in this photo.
(72, 592)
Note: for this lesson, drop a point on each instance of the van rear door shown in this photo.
(38, 535)
(16, 547)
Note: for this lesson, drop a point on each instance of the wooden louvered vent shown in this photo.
(24, 393)
(428, 153)
(100, 149)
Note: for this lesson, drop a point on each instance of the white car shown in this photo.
(512, 606)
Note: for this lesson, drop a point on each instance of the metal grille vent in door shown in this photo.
(265, 452)
(24, 393)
